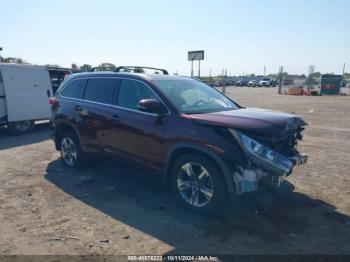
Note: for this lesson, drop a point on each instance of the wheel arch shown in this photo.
(184, 148)
(60, 129)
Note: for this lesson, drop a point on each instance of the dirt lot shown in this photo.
(113, 209)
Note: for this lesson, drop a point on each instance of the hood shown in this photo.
(252, 120)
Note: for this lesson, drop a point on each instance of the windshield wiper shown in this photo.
(194, 112)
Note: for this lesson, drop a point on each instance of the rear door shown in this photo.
(94, 109)
(27, 89)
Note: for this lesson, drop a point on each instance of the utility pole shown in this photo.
(191, 68)
(343, 84)
(210, 75)
(311, 71)
(280, 80)
(264, 70)
(199, 69)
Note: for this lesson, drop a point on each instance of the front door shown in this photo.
(132, 134)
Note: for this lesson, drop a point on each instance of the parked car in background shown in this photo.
(232, 82)
(24, 90)
(266, 82)
(228, 82)
(273, 82)
(204, 145)
(242, 82)
(252, 83)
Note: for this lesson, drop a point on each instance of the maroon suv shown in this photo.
(202, 143)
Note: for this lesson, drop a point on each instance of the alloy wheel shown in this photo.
(69, 151)
(195, 184)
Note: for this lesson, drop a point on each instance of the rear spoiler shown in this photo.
(139, 69)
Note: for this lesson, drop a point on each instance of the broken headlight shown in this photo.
(263, 156)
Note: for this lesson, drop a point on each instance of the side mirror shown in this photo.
(150, 106)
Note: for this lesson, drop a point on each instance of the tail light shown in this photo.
(53, 101)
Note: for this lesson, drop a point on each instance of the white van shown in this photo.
(24, 94)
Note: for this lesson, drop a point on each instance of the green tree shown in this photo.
(86, 67)
(315, 75)
(15, 60)
(52, 65)
(106, 66)
(74, 66)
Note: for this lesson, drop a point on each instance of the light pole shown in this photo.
(280, 80)
(0, 55)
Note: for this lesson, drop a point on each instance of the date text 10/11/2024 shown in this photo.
(172, 258)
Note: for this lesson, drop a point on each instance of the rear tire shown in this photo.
(198, 184)
(71, 154)
(21, 127)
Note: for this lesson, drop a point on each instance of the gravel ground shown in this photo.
(111, 208)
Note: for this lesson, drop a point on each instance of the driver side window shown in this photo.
(131, 92)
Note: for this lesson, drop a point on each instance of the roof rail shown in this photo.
(138, 69)
(98, 68)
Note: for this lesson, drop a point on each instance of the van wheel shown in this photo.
(198, 184)
(21, 127)
(71, 153)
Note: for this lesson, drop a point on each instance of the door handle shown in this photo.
(78, 108)
(114, 116)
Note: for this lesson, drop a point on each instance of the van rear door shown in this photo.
(3, 108)
(27, 89)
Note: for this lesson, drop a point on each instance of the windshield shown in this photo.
(194, 97)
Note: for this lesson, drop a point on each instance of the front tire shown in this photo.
(71, 153)
(198, 184)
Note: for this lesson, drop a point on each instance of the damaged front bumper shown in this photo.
(264, 165)
(254, 178)
(299, 159)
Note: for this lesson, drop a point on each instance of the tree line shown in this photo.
(110, 66)
(84, 67)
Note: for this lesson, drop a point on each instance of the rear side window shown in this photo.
(101, 90)
(131, 92)
(74, 89)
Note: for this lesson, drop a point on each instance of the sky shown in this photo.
(240, 36)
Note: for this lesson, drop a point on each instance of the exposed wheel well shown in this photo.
(185, 150)
(60, 129)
